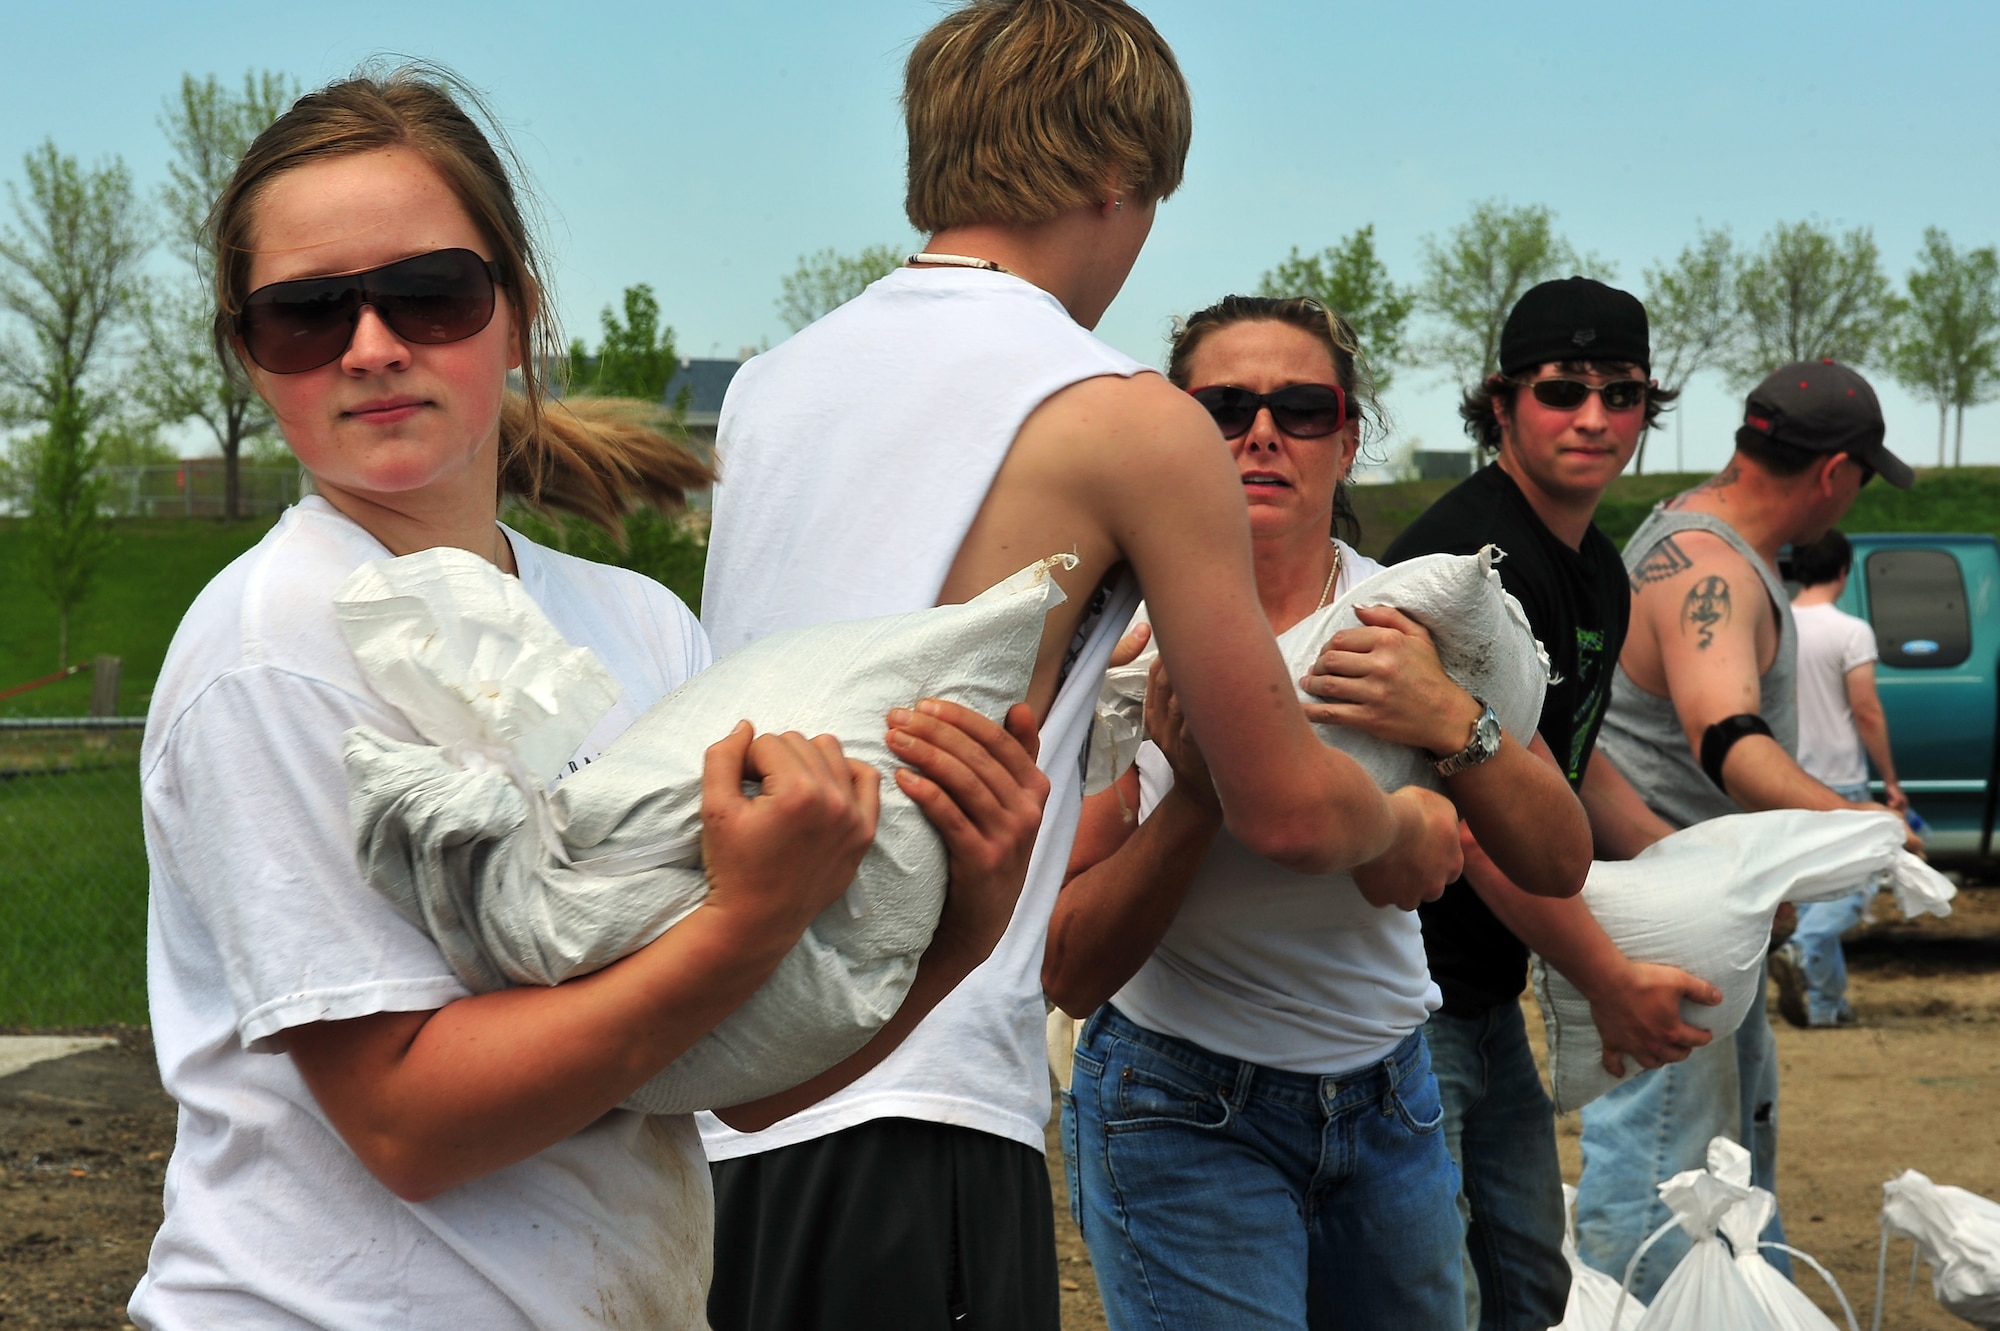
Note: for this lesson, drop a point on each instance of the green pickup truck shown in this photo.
(1934, 603)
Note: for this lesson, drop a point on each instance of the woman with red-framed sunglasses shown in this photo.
(1253, 1128)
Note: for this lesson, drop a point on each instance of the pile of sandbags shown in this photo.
(1482, 638)
(521, 884)
(1703, 898)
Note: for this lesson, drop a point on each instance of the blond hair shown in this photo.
(1018, 110)
(594, 458)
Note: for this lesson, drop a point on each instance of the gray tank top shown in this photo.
(1642, 733)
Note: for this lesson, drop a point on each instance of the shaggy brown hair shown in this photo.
(594, 458)
(1018, 110)
(1330, 330)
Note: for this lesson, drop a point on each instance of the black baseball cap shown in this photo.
(1572, 319)
(1823, 406)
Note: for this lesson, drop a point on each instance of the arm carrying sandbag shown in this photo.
(521, 884)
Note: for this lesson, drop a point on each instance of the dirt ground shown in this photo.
(84, 1140)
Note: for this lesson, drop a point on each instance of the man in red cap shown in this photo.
(1704, 722)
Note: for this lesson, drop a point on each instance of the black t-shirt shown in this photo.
(1579, 603)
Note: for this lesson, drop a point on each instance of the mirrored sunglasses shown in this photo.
(1570, 394)
(443, 296)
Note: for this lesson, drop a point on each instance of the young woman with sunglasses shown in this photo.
(361, 1143)
(1252, 1125)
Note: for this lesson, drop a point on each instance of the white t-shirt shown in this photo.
(854, 458)
(259, 921)
(1286, 970)
(1831, 643)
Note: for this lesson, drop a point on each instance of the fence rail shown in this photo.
(196, 488)
(72, 871)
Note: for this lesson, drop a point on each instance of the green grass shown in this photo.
(152, 574)
(73, 860)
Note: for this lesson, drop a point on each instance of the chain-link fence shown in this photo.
(72, 872)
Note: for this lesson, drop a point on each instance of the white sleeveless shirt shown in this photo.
(1286, 970)
(853, 459)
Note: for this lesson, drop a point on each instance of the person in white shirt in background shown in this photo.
(1840, 717)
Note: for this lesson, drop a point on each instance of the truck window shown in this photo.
(1916, 601)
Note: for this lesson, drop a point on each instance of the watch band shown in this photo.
(1485, 742)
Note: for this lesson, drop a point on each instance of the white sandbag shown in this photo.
(1594, 1302)
(1957, 1233)
(519, 884)
(1705, 1292)
(1742, 1224)
(1702, 899)
(1483, 642)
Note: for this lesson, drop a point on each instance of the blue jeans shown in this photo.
(1215, 1193)
(1501, 1128)
(1817, 942)
(1656, 1124)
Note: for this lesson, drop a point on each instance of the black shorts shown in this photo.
(893, 1225)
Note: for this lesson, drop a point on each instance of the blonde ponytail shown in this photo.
(597, 458)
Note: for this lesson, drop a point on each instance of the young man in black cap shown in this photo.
(1704, 721)
(1564, 415)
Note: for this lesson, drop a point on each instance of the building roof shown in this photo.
(707, 381)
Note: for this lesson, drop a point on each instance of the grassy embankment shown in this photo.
(71, 858)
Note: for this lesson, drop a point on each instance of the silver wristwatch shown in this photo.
(1485, 742)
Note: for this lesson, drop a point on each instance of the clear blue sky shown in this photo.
(704, 148)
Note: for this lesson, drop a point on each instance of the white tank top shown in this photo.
(1286, 970)
(853, 459)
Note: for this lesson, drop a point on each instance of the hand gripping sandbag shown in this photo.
(1742, 1224)
(1957, 1233)
(1596, 1302)
(1702, 899)
(1704, 1292)
(518, 884)
(1483, 642)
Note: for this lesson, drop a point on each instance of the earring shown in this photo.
(1118, 205)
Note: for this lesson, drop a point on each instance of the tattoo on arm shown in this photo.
(1705, 610)
(1663, 561)
(1722, 480)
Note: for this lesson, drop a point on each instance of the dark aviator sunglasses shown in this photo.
(1571, 394)
(443, 296)
(1304, 411)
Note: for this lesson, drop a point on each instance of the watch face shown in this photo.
(1486, 735)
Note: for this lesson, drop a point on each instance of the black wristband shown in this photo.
(1720, 738)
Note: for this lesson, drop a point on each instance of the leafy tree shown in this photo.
(69, 270)
(1807, 294)
(636, 359)
(1691, 310)
(825, 281)
(1947, 342)
(208, 127)
(1350, 280)
(67, 533)
(1473, 277)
